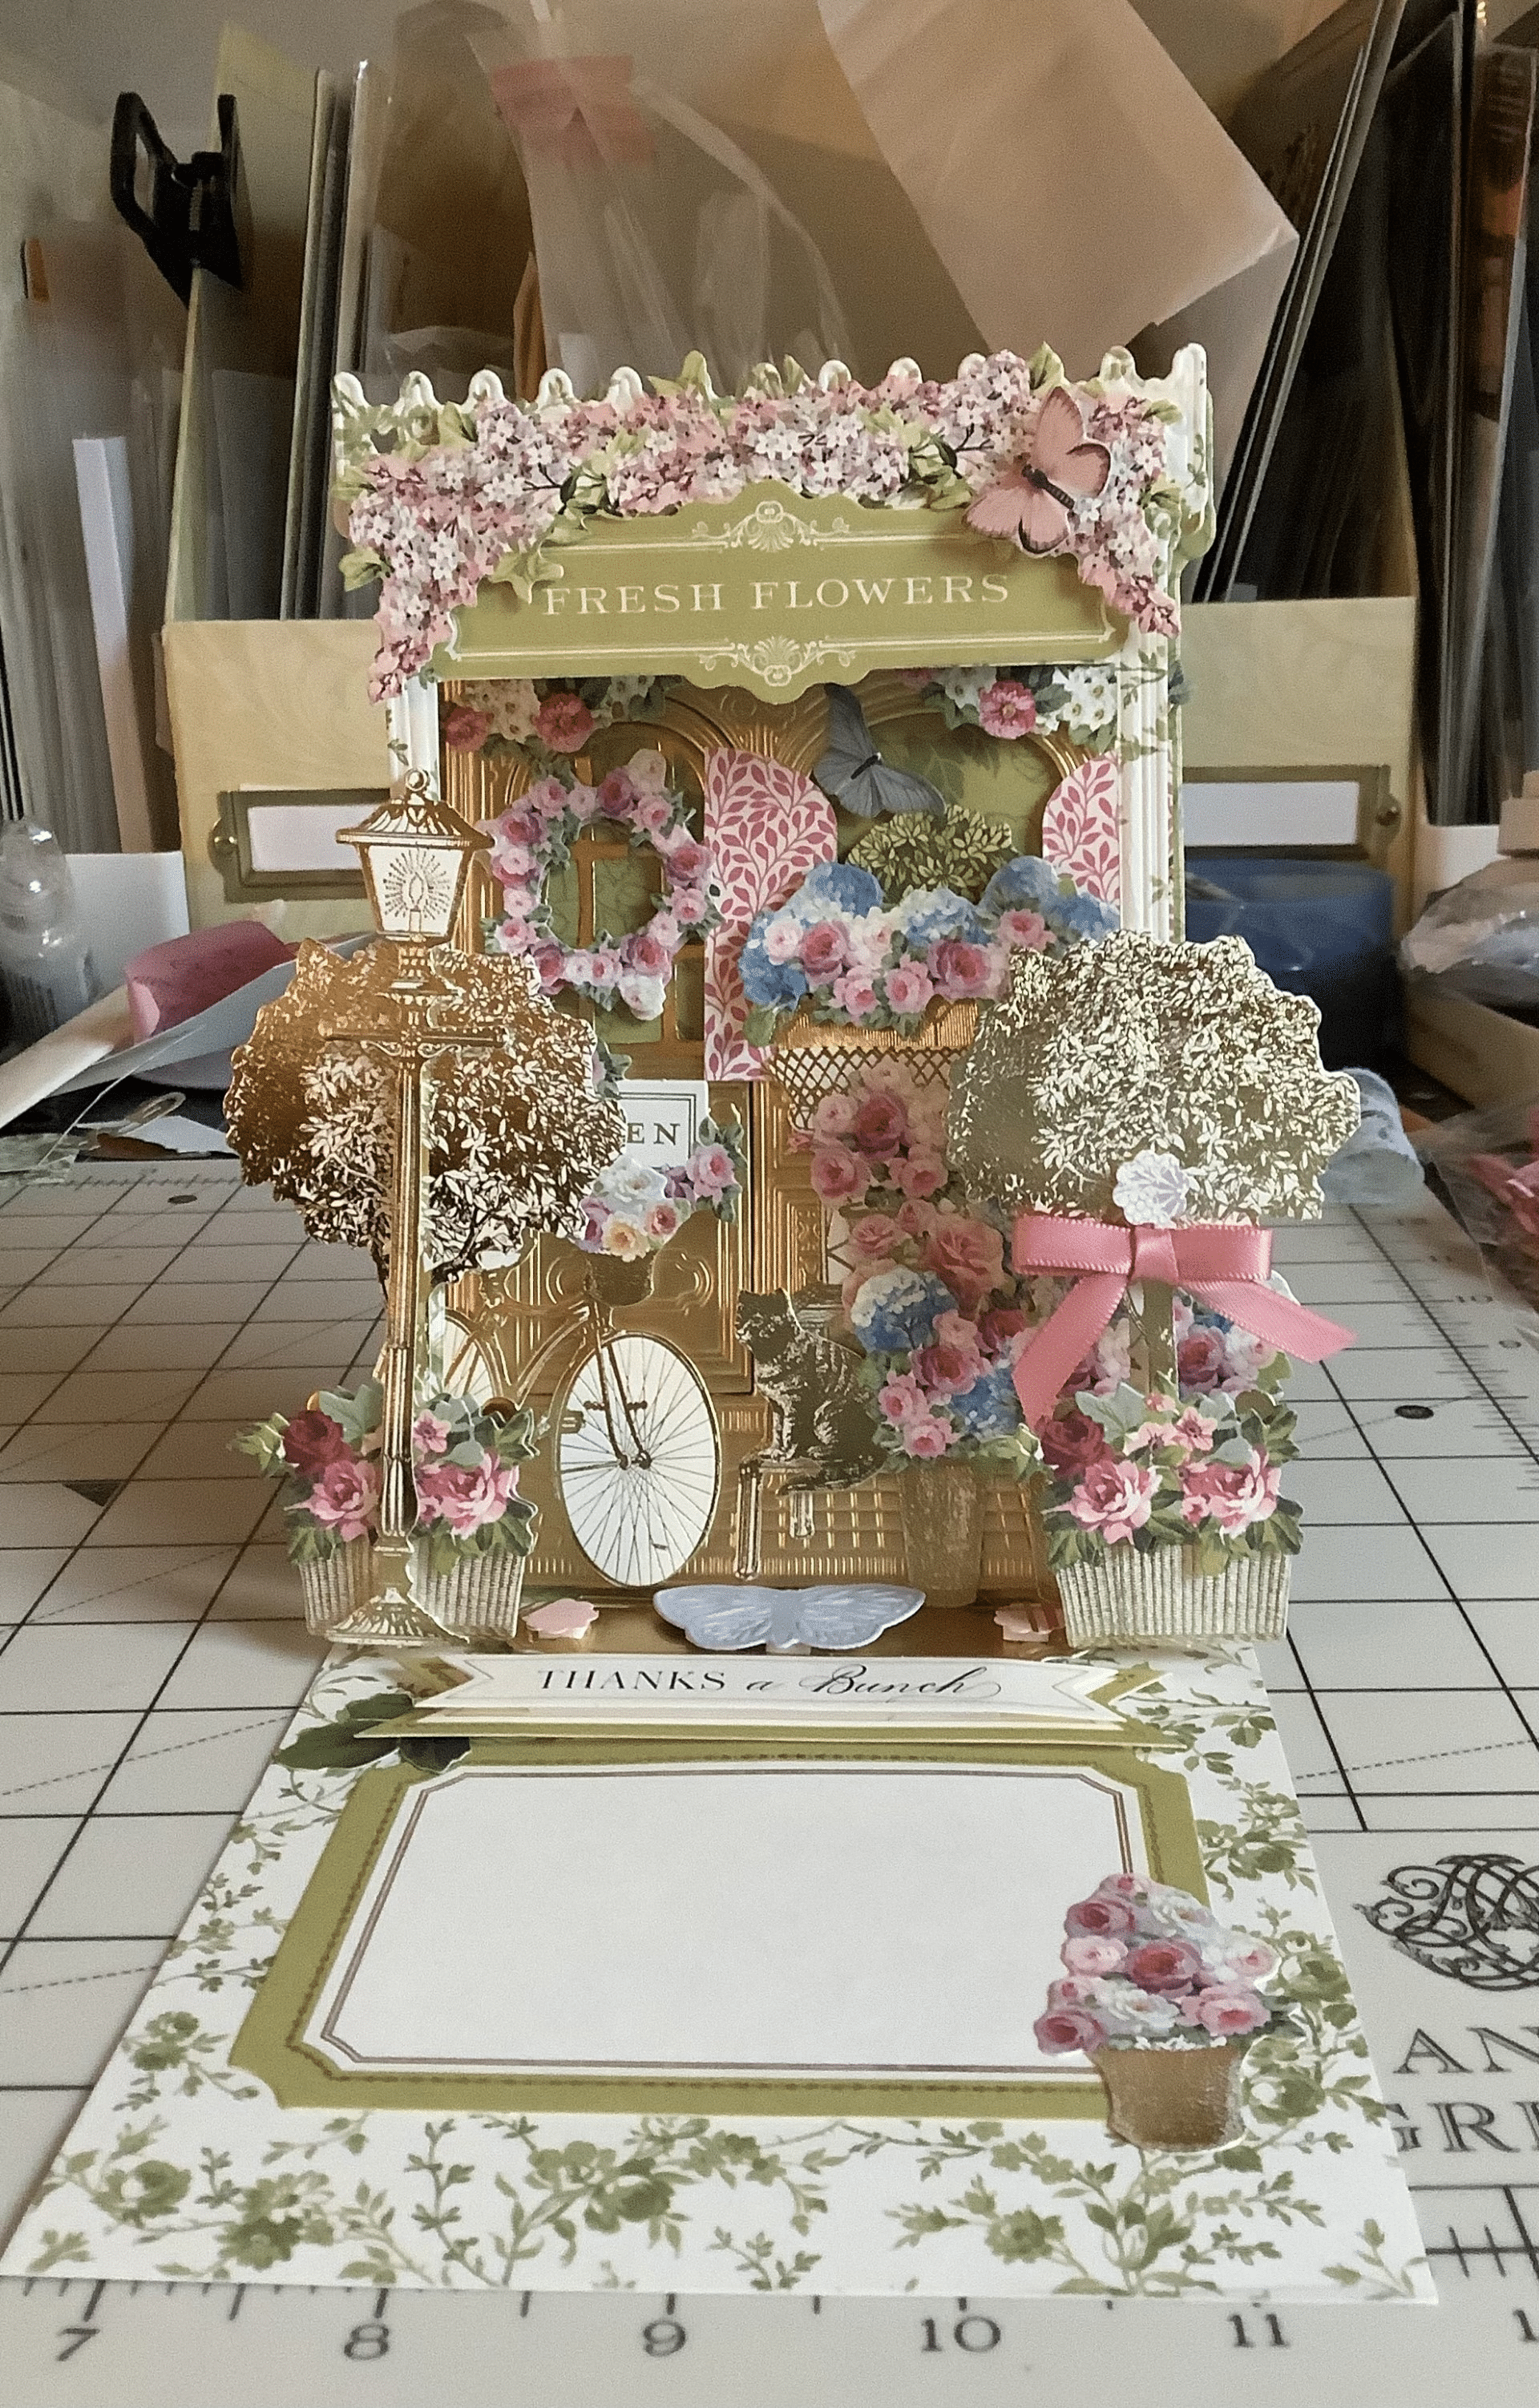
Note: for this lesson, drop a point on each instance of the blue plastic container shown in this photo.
(1320, 928)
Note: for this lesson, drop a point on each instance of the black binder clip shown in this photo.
(191, 221)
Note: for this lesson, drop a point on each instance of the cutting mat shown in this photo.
(150, 1653)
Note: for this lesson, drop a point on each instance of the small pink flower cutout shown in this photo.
(564, 1617)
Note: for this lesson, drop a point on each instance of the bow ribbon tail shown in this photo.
(1052, 1351)
(1276, 1320)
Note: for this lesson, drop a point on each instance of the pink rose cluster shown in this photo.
(926, 1292)
(1145, 1961)
(339, 1483)
(435, 520)
(879, 1143)
(464, 1497)
(1166, 1460)
(464, 1471)
(634, 1209)
(535, 836)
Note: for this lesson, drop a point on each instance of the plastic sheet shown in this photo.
(1488, 1162)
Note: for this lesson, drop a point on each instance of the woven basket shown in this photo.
(1160, 1595)
(811, 1059)
(336, 1586)
(482, 1593)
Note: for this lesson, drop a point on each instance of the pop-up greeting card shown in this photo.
(793, 715)
(933, 1925)
(1139, 1109)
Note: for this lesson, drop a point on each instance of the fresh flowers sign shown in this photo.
(463, 1469)
(1146, 1964)
(635, 1207)
(535, 836)
(443, 497)
(837, 949)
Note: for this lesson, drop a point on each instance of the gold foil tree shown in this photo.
(425, 1103)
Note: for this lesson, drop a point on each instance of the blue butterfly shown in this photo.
(722, 1615)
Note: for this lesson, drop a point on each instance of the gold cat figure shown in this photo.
(824, 1420)
(823, 1425)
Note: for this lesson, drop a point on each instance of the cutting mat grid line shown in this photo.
(151, 1649)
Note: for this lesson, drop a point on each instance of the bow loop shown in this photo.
(1227, 1266)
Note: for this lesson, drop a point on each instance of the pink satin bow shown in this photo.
(1226, 1267)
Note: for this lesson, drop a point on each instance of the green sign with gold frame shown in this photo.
(775, 593)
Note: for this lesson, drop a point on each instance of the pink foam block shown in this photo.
(168, 983)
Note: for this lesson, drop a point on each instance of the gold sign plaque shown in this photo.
(777, 592)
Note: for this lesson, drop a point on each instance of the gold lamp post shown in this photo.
(416, 855)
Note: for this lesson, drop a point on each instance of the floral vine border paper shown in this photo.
(183, 2164)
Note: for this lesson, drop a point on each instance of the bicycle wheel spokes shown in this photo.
(639, 1473)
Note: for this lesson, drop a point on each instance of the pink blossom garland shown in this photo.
(436, 525)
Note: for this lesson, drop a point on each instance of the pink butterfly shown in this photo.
(1031, 503)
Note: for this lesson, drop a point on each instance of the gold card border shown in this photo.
(271, 2042)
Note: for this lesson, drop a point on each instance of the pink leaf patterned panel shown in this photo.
(768, 827)
(1080, 828)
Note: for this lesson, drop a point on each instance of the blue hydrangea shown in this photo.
(1084, 915)
(897, 1310)
(777, 985)
(930, 915)
(1024, 884)
(1031, 885)
(990, 1408)
(836, 886)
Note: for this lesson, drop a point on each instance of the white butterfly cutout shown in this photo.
(724, 1615)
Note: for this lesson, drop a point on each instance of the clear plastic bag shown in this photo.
(1488, 1163)
(1481, 938)
(656, 233)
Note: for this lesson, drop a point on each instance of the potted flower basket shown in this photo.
(1163, 1512)
(1141, 1109)
(1164, 2002)
(473, 1530)
(635, 1208)
(836, 980)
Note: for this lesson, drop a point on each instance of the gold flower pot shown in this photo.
(811, 1059)
(943, 1530)
(1172, 2098)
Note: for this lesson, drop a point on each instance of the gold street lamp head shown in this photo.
(416, 852)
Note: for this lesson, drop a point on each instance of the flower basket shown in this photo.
(479, 1593)
(1133, 1594)
(616, 1282)
(1172, 2098)
(335, 1586)
(943, 1530)
(810, 1059)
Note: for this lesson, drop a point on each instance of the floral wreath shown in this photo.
(536, 835)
